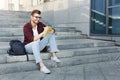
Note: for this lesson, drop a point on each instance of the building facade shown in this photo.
(20, 5)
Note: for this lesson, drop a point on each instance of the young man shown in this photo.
(33, 34)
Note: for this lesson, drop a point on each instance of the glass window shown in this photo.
(114, 21)
(105, 20)
(98, 18)
(114, 2)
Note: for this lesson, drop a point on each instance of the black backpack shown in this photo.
(17, 48)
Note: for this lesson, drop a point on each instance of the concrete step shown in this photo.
(15, 25)
(15, 21)
(12, 25)
(82, 43)
(64, 28)
(10, 17)
(16, 13)
(56, 28)
(18, 32)
(89, 42)
(68, 44)
(63, 25)
(72, 33)
(8, 38)
(71, 61)
(5, 58)
(69, 29)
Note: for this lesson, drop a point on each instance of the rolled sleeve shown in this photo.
(28, 34)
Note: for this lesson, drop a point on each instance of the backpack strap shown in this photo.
(27, 56)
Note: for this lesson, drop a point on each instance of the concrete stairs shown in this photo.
(75, 48)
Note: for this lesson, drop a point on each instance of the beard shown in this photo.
(36, 22)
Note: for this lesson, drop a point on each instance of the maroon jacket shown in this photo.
(28, 33)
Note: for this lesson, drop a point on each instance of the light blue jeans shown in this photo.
(36, 46)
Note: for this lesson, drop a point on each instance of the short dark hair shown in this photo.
(35, 11)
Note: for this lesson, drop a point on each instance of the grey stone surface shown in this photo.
(15, 21)
(11, 25)
(70, 61)
(71, 44)
(75, 73)
(32, 75)
(19, 14)
(3, 59)
(17, 67)
(57, 29)
(97, 50)
(95, 71)
(62, 37)
(65, 53)
(57, 74)
(92, 72)
(20, 33)
(9, 38)
(111, 71)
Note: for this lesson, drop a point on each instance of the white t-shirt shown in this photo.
(35, 32)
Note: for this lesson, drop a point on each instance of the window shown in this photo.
(114, 2)
(105, 19)
(98, 19)
(114, 20)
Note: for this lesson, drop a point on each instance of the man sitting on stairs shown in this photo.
(33, 34)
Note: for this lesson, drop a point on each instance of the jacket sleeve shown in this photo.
(43, 25)
(28, 34)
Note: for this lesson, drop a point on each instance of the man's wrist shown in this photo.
(42, 34)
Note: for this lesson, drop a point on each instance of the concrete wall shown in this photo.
(74, 13)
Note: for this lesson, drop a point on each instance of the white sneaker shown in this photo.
(45, 70)
(55, 59)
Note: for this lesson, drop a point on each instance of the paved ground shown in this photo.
(94, 71)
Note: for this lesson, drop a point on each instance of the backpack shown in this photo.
(17, 48)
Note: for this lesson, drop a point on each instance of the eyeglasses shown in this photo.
(37, 17)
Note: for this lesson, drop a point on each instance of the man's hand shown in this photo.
(51, 31)
(48, 30)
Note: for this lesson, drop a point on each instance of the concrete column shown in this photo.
(5, 3)
(42, 1)
(16, 4)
